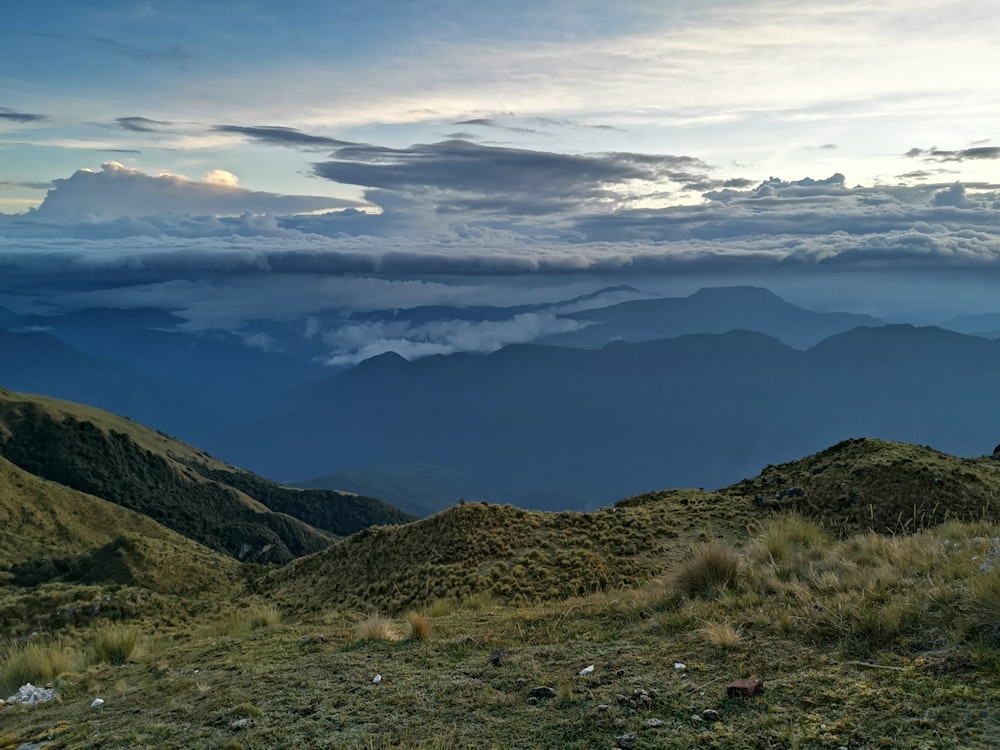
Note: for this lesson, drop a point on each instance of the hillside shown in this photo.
(59, 547)
(498, 627)
(891, 488)
(179, 486)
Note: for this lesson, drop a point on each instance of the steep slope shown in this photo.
(77, 534)
(175, 484)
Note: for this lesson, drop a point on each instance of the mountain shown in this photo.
(215, 367)
(37, 362)
(224, 508)
(709, 310)
(588, 426)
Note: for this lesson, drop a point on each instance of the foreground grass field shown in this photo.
(863, 642)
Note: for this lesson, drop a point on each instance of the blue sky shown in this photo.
(406, 139)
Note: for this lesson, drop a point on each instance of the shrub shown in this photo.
(35, 662)
(113, 645)
(712, 568)
(420, 626)
(377, 628)
(983, 605)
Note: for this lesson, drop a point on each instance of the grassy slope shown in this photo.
(59, 547)
(180, 486)
(863, 640)
(876, 484)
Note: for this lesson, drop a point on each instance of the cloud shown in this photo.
(171, 52)
(12, 115)
(281, 136)
(28, 185)
(140, 124)
(501, 180)
(118, 192)
(353, 343)
(489, 122)
(940, 155)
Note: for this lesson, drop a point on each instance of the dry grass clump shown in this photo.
(33, 661)
(114, 644)
(242, 621)
(712, 568)
(377, 628)
(420, 626)
(983, 603)
(721, 634)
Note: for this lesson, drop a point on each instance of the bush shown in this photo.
(712, 568)
(35, 661)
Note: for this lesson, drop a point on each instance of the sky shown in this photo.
(229, 155)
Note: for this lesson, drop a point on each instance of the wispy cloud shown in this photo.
(140, 124)
(942, 155)
(14, 116)
(281, 136)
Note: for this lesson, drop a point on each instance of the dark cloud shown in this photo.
(140, 124)
(14, 116)
(280, 136)
(504, 180)
(935, 154)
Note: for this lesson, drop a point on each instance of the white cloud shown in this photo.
(354, 343)
(117, 192)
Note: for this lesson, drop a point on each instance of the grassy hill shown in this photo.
(175, 484)
(866, 634)
(888, 487)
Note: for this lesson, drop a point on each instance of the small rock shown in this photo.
(710, 714)
(696, 718)
(586, 670)
(652, 723)
(603, 708)
(377, 679)
(644, 615)
(97, 703)
(242, 724)
(542, 691)
(679, 666)
(620, 673)
(689, 688)
(532, 700)
(745, 688)
(627, 741)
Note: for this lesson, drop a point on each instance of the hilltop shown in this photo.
(181, 487)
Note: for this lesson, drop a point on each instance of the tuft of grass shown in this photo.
(712, 568)
(721, 634)
(114, 644)
(242, 621)
(420, 626)
(983, 603)
(377, 628)
(788, 534)
(35, 662)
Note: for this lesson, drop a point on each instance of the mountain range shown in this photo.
(635, 395)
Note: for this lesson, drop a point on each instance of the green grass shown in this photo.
(36, 661)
